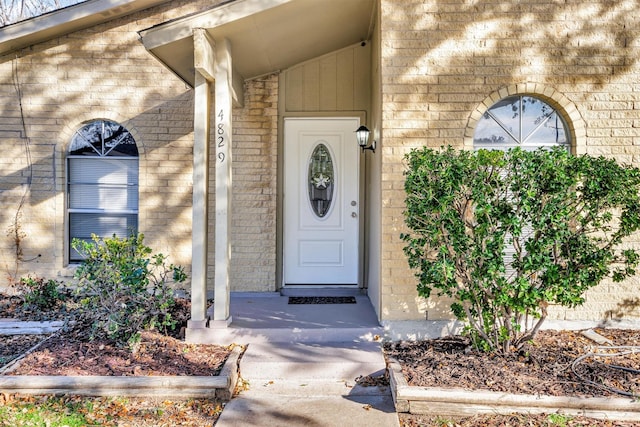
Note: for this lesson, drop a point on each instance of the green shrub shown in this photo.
(41, 293)
(125, 288)
(506, 234)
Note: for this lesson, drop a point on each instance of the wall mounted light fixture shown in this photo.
(362, 135)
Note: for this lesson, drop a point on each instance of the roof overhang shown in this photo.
(265, 35)
(67, 20)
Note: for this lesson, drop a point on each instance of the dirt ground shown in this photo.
(514, 420)
(72, 353)
(157, 355)
(558, 363)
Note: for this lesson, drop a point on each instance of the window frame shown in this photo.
(521, 140)
(110, 154)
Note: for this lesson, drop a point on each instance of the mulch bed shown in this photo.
(542, 368)
(12, 346)
(71, 352)
(155, 355)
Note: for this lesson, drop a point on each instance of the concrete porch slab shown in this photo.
(301, 361)
(268, 317)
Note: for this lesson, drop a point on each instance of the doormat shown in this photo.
(322, 300)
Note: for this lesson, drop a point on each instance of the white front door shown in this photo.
(321, 203)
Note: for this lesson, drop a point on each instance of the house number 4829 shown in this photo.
(220, 138)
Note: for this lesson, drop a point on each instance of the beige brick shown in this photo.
(590, 73)
(77, 78)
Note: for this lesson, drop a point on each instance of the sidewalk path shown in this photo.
(310, 384)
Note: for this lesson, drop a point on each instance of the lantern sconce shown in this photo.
(362, 135)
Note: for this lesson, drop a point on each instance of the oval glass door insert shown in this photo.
(321, 180)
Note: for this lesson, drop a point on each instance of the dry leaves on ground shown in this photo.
(555, 364)
(155, 355)
(513, 420)
(109, 411)
(69, 353)
(548, 366)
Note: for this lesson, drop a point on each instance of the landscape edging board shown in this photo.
(460, 402)
(220, 386)
(22, 327)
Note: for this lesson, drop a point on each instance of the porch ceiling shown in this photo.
(265, 35)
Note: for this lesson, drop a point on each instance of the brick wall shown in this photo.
(255, 144)
(104, 72)
(445, 62)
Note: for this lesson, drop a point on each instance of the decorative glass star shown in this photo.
(321, 181)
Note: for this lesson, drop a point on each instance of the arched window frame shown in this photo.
(565, 111)
(102, 171)
(576, 125)
(510, 122)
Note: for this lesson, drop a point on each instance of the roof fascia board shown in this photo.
(181, 28)
(67, 20)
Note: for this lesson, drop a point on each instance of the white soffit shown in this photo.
(67, 20)
(265, 35)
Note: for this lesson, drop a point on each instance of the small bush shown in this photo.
(125, 288)
(41, 293)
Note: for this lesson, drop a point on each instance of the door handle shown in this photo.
(353, 214)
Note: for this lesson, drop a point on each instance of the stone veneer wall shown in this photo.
(445, 62)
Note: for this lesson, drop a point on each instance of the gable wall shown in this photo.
(444, 62)
(105, 72)
(338, 81)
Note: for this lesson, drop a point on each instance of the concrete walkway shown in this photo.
(301, 365)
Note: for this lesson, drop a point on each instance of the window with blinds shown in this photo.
(520, 121)
(102, 183)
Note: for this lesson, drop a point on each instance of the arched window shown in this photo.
(102, 183)
(520, 121)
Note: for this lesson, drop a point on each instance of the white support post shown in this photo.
(204, 54)
(222, 140)
(200, 232)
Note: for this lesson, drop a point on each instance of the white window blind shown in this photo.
(102, 184)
